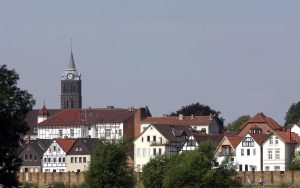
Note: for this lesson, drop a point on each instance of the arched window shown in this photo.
(248, 142)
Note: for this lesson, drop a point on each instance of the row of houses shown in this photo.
(57, 155)
(261, 144)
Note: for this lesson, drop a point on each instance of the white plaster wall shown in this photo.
(50, 153)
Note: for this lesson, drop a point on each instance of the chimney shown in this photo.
(192, 116)
(210, 116)
(290, 134)
(180, 117)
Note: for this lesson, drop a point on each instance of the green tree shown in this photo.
(293, 114)
(196, 109)
(238, 122)
(194, 169)
(14, 105)
(109, 167)
(153, 172)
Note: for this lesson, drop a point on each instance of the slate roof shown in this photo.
(215, 139)
(39, 145)
(174, 120)
(89, 144)
(172, 132)
(88, 116)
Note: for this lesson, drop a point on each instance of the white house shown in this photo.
(296, 128)
(54, 159)
(158, 140)
(207, 124)
(248, 152)
(197, 138)
(278, 150)
(108, 123)
(226, 150)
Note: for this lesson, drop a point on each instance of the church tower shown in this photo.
(71, 87)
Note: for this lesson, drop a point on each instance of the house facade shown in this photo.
(158, 140)
(54, 159)
(249, 152)
(79, 156)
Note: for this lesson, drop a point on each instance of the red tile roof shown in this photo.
(88, 117)
(66, 144)
(266, 124)
(259, 138)
(174, 120)
(234, 140)
(288, 137)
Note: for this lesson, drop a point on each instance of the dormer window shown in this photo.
(248, 142)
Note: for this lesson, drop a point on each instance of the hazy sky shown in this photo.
(239, 57)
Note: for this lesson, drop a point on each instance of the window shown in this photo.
(271, 141)
(45, 160)
(242, 151)
(107, 133)
(248, 152)
(159, 151)
(60, 133)
(248, 142)
(240, 167)
(270, 154)
(64, 160)
(191, 143)
(35, 129)
(267, 168)
(277, 154)
(71, 132)
(276, 140)
(148, 138)
(120, 132)
(246, 167)
(80, 159)
(277, 168)
(154, 151)
(49, 160)
(25, 158)
(54, 159)
(59, 160)
(138, 152)
(75, 159)
(54, 148)
(144, 152)
(254, 152)
(84, 159)
(154, 138)
(72, 160)
(30, 157)
(142, 139)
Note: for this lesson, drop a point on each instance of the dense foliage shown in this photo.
(195, 109)
(234, 126)
(14, 105)
(293, 114)
(109, 167)
(189, 169)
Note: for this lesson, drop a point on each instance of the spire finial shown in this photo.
(71, 44)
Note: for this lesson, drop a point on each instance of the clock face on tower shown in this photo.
(70, 76)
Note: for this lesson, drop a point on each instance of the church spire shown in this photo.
(71, 66)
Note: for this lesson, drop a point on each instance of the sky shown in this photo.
(239, 57)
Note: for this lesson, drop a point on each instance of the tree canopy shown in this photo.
(189, 169)
(109, 167)
(14, 105)
(293, 114)
(238, 122)
(196, 109)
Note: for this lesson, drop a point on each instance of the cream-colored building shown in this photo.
(79, 156)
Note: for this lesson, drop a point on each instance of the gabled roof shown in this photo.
(259, 138)
(65, 144)
(215, 139)
(32, 116)
(89, 144)
(172, 132)
(234, 140)
(88, 116)
(39, 145)
(175, 120)
(260, 118)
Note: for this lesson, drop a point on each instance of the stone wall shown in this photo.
(72, 178)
